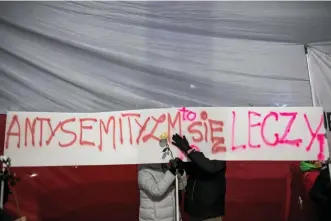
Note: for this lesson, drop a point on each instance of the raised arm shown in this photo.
(210, 166)
(198, 158)
(147, 182)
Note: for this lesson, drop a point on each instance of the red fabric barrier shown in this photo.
(257, 191)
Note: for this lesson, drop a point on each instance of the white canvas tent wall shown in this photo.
(319, 63)
(105, 56)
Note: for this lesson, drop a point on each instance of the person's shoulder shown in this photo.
(142, 166)
(220, 161)
(151, 168)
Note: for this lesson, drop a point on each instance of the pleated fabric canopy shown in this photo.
(107, 56)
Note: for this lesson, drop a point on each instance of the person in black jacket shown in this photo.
(206, 186)
(6, 191)
(320, 193)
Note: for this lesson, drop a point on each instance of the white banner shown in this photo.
(132, 137)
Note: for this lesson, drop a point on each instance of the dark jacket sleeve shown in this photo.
(5, 217)
(188, 167)
(210, 166)
(180, 197)
(316, 192)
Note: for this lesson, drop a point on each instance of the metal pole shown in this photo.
(177, 197)
(2, 187)
(164, 142)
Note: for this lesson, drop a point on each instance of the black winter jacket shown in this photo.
(206, 187)
(320, 193)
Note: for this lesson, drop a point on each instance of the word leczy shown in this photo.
(260, 122)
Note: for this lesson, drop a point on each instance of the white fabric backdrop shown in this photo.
(324, 47)
(94, 56)
(319, 61)
(320, 72)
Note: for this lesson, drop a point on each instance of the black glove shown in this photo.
(176, 164)
(181, 143)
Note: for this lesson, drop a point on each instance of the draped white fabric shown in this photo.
(324, 47)
(105, 56)
(320, 78)
(320, 73)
